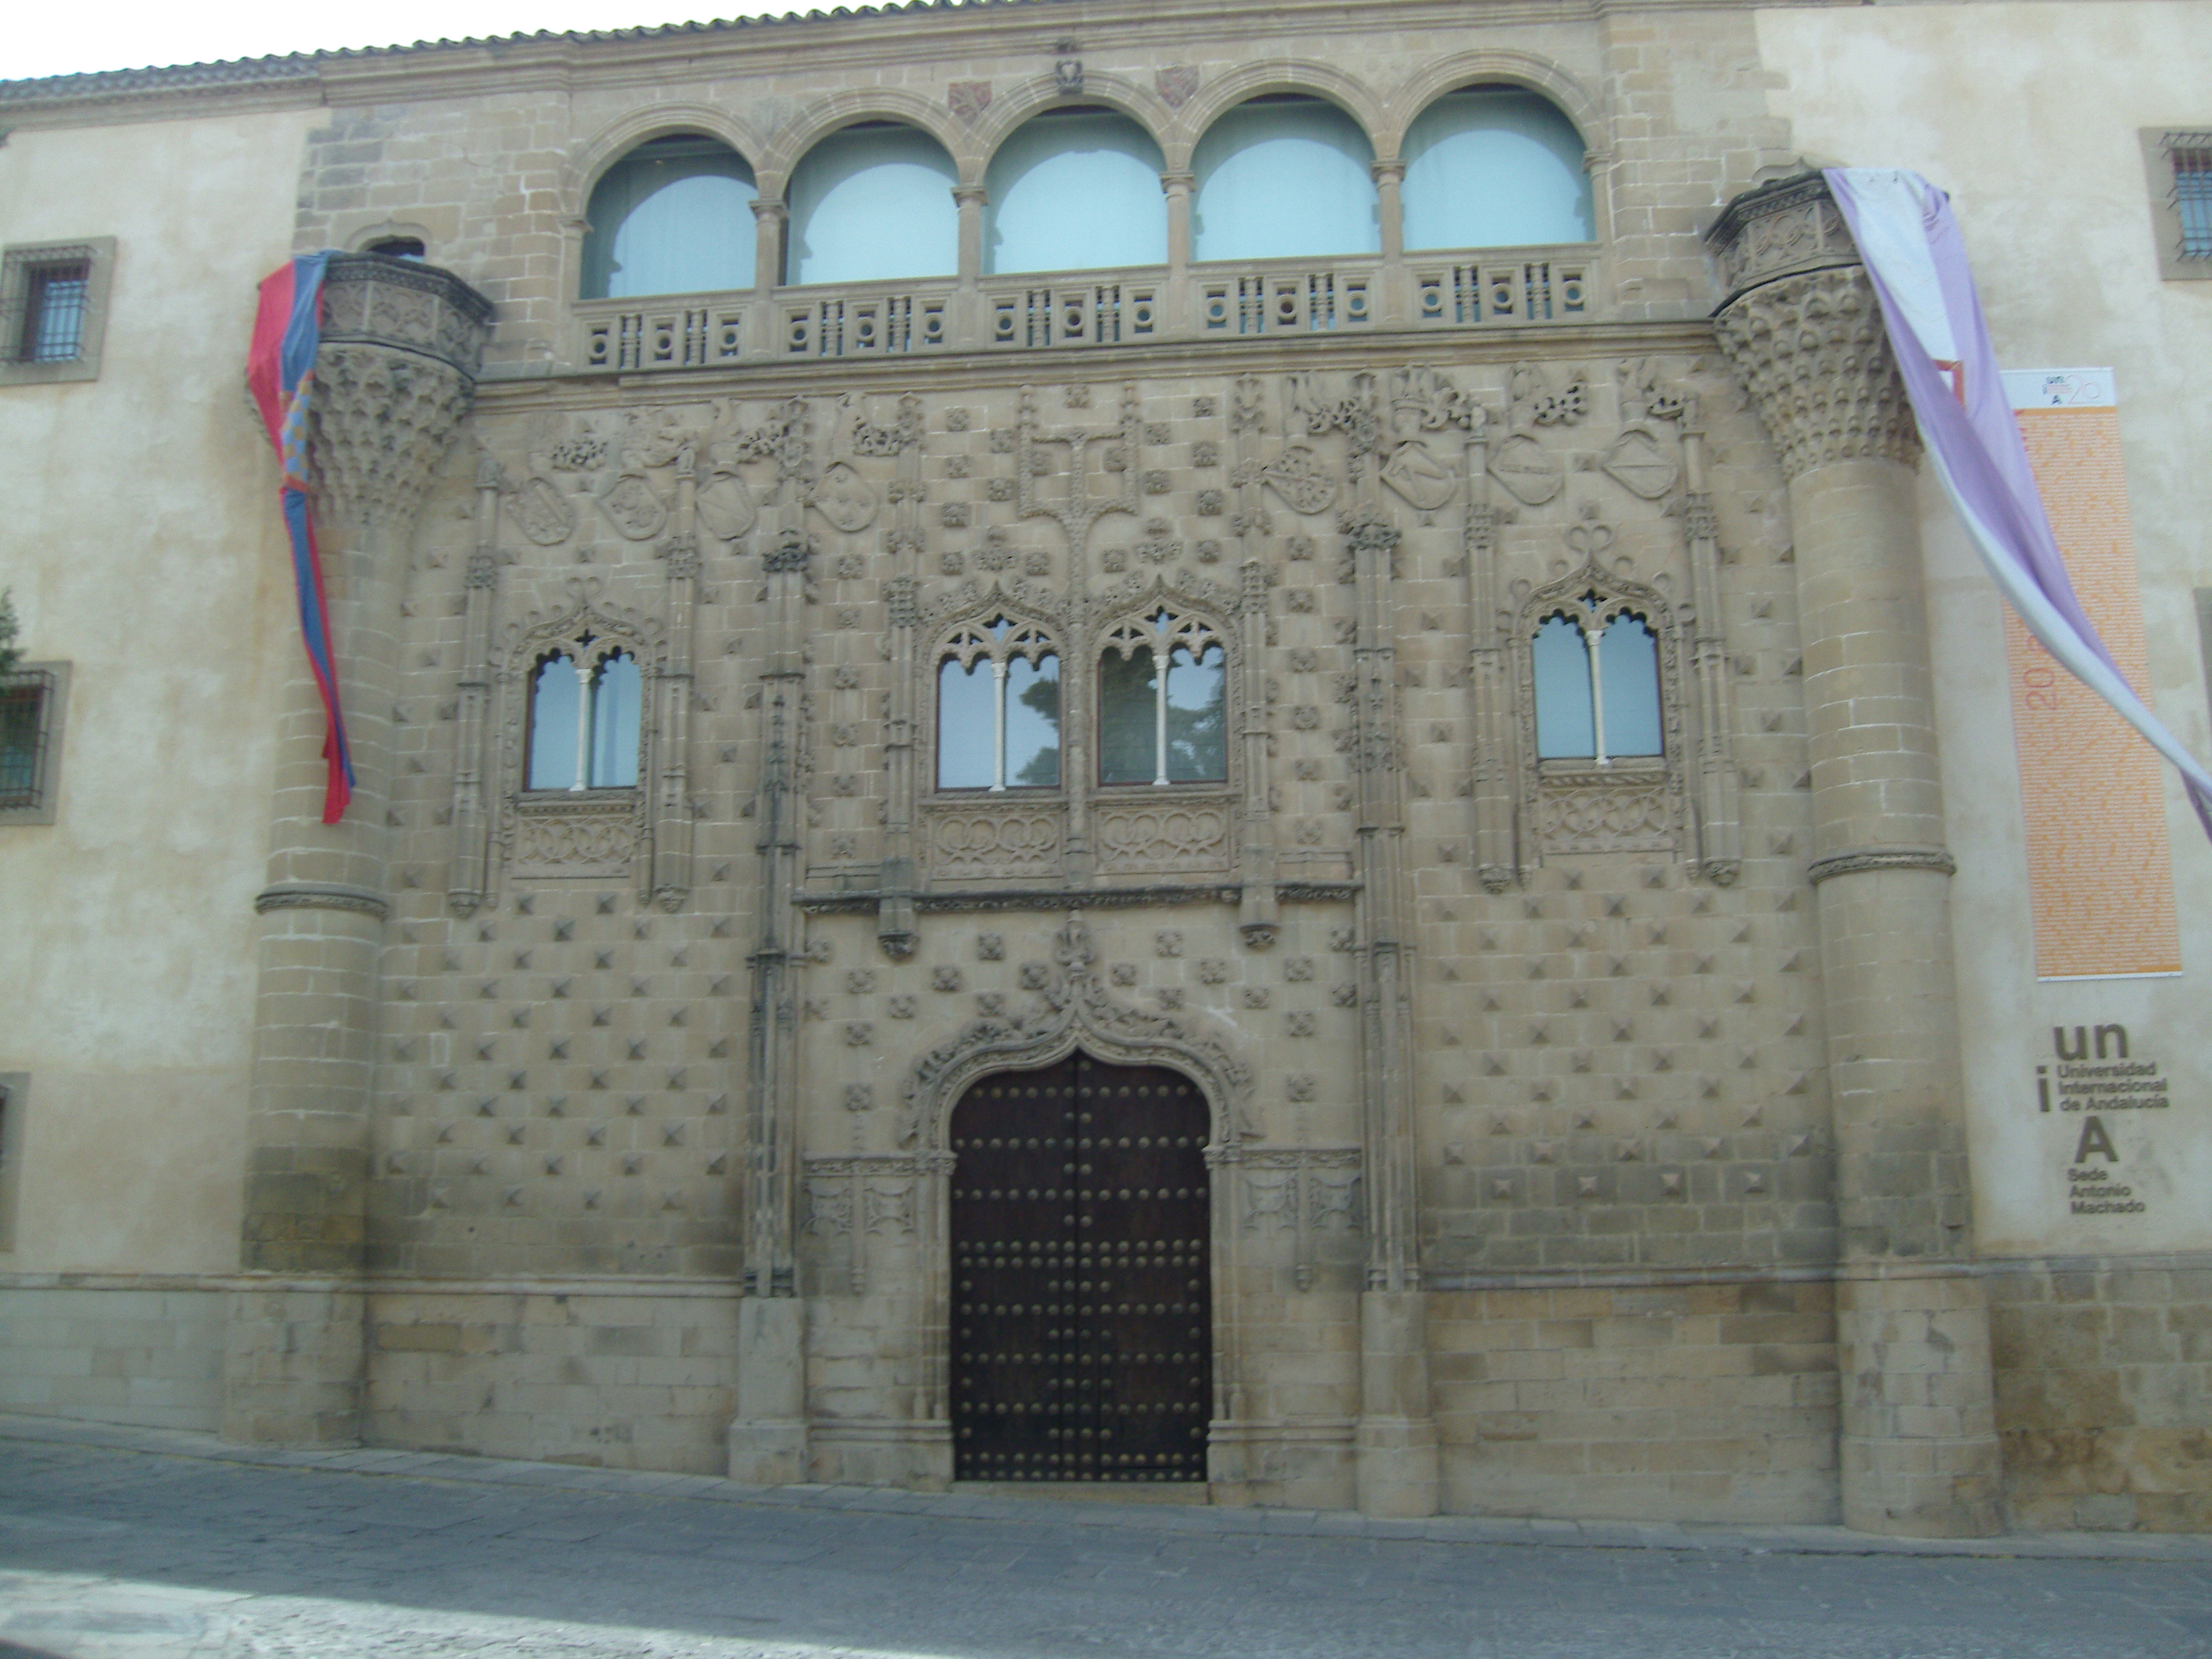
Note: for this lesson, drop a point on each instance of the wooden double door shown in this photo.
(1081, 1287)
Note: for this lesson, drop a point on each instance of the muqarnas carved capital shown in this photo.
(1803, 331)
(1811, 351)
(392, 380)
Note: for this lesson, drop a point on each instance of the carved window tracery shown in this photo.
(1599, 667)
(998, 707)
(1163, 701)
(586, 717)
(581, 695)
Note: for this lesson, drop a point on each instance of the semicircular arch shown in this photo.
(1302, 75)
(1114, 92)
(788, 147)
(617, 139)
(1490, 66)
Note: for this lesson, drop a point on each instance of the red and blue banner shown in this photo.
(279, 370)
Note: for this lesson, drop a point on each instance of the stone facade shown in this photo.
(1586, 1140)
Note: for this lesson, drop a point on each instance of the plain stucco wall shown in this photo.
(143, 547)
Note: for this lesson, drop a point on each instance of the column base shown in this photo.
(1919, 1456)
(768, 1438)
(768, 1453)
(1394, 1467)
(293, 1367)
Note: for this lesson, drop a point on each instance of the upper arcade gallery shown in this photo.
(1084, 184)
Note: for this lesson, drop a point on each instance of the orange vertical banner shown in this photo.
(2100, 865)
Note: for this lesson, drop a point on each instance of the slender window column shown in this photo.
(583, 727)
(1592, 637)
(1159, 718)
(998, 727)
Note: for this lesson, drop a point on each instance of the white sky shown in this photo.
(110, 35)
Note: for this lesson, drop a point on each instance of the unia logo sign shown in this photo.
(2094, 1074)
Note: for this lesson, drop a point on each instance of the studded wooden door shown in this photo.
(1082, 1332)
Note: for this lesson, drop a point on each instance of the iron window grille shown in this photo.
(30, 733)
(53, 303)
(2190, 156)
(2179, 166)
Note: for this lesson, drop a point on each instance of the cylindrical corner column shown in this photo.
(1803, 331)
(391, 382)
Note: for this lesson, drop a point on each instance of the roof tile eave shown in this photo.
(102, 84)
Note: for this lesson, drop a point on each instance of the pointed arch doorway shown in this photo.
(1082, 1327)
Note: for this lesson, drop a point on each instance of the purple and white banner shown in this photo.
(1917, 261)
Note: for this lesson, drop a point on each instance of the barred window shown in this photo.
(2180, 167)
(53, 310)
(998, 708)
(30, 740)
(2192, 196)
(1163, 703)
(586, 708)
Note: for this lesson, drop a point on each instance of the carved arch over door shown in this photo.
(1078, 1012)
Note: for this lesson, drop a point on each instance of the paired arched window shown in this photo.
(1284, 177)
(998, 708)
(1495, 167)
(1163, 703)
(586, 707)
(1595, 666)
(1075, 189)
(672, 217)
(873, 202)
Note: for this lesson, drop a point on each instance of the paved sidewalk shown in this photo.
(129, 1543)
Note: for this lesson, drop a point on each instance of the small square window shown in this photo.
(53, 310)
(2179, 164)
(31, 702)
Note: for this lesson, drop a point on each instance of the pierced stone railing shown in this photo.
(1500, 289)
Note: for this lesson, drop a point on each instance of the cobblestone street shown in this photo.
(129, 1544)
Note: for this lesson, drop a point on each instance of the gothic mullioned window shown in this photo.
(1596, 675)
(1162, 707)
(585, 710)
(997, 708)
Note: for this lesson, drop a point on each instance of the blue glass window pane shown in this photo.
(554, 700)
(673, 216)
(873, 203)
(615, 706)
(1127, 719)
(1628, 661)
(1033, 723)
(1075, 191)
(1565, 726)
(1495, 168)
(1198, 717)
(964, 725)
(1282, 180)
